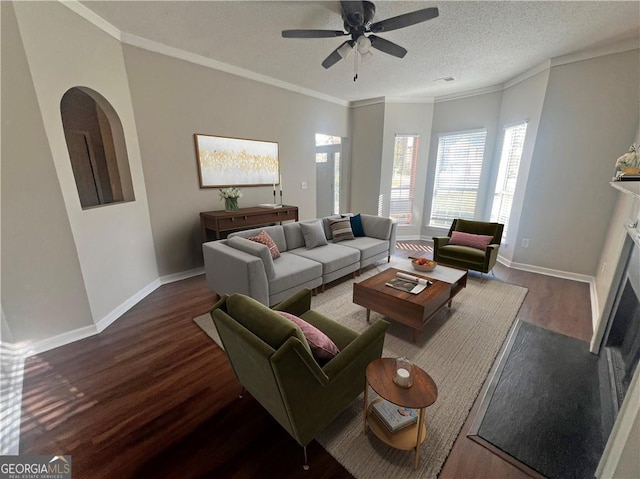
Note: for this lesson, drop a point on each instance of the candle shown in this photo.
(402, 377)
(280, 183)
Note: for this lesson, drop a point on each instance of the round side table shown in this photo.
(422, 394)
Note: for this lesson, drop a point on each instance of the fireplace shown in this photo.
(622, 340)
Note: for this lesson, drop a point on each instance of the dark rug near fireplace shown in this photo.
(542, 406)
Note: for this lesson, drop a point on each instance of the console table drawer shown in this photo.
(217, 222)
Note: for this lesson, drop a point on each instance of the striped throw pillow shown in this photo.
(341, 229)
(264, 238)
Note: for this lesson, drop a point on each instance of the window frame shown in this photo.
(404, 218)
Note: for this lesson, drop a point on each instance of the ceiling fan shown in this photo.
(357, 17)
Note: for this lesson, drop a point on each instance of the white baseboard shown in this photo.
(172, 278)
(100, 325)
(103, 323)
(583, 278)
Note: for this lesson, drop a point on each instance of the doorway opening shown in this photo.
(328, 159)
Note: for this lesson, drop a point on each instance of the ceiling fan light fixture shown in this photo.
(345, 50)
(366, 56)
(364, 44)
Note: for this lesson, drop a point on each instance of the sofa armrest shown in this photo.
(491, 256)
(229, 271)
(298, 304)
(393, 237)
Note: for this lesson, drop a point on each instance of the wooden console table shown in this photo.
(214, 223)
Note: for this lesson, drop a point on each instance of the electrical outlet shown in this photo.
(303, 185)
(525, 243)
(603, 267)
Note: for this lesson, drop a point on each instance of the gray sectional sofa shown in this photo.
(238, 265)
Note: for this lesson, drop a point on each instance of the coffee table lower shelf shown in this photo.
(405, 438)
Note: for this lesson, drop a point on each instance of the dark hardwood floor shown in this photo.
(153, 397)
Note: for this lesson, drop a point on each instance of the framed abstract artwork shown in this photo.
(224, 161)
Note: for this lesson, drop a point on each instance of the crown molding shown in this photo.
(610, 49)
(367, 102)
(89, 15)
(528, 74)
(157, 47)
(469, 93)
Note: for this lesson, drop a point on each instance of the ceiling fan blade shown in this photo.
(404, 20)
(312, 33)
(335, 56)
(387, 47)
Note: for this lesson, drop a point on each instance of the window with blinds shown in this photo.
(405, 159)
(457, 179)
(510, 157)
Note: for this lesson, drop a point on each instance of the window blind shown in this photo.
(457, 179)
(512, 147)
(405, 159)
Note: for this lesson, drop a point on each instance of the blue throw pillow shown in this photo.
(356, 225)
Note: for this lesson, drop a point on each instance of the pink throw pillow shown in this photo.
(322, 348)
(264, 238)
(468, 239)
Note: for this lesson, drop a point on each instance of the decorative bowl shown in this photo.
(430, 266)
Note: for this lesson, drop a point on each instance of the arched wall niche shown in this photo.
(97, 149)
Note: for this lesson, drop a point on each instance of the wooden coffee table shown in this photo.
(422, 394)
(414, 310)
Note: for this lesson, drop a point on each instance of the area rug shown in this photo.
(542, 406)
(456, 348)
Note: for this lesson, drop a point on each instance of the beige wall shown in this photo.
(43, 293)
(589, 117)
(114, 243)
(520, 102)
(367, 132)
(173, 100)
(404, 118)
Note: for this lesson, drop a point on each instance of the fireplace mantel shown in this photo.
(628, 187)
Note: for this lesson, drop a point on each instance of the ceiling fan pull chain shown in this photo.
(355, 64)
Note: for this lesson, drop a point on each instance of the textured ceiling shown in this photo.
(480, 44)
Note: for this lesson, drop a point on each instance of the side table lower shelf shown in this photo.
(405, 438)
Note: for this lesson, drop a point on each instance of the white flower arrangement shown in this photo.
(630, 159)
(230, 192)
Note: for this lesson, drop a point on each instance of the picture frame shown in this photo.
(226, 161)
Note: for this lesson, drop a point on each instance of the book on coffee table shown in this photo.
(408, 283)
(394, 417)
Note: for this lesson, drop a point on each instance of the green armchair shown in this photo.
(465, 256)
(272, 360)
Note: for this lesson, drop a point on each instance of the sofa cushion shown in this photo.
(293, 235)
(292, 270)
(341, 229)
(276, 232)
(332, 257)
(367, 246)
(462, 253)
(472, 240)
(264, 238)
(256, 249)
(314, 234)
(322, 348)
(263, 322)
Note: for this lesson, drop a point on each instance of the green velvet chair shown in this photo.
(272, 360)
(465, 256)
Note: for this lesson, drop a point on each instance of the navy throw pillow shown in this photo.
(356, 225)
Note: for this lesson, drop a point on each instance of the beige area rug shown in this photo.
(457, 348)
